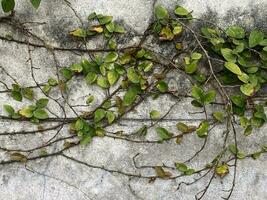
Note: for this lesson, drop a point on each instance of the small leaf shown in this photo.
(76, 68)
(197, 93)
(99, 115)
(40, 114)
(79, 125)
(36, 3)
(52, 82)
(90, 78)
(233, 149)
(90, 99)
(238, 100)
(228, 55)
(86, 139)
(209, 97)
(219, 116)
(181, 11)
(18, 157)
(66, 73)
(113, 76)
(154, 114)
(16, 95)
(181, 167)
(102, 82)
(163, 133)
(162, 86)
(161, 13)
(191, 68)
(105, 19)
(41, 103)
(130, 96)
(111, 57)
(10, 110)
(202, 130)
(27, 93)
(235, 32)
(161, 173)
(132, 75)
(255, 38)
(222, 170)
(110, 116)
(166, 34)
(185, 128)
(196, 56)
(8, 5)
(78, 33)
(233, 68)
(119, 29)
(247, 89)
(26, 112)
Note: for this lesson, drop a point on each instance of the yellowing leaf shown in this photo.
(222, 170)
(233, 68)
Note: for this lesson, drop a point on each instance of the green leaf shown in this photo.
(66, 73)
(181, 167)
(99, 115)
(191, 68)
(132, 75)
(209, 97)
(26, 112)
(10, 110)
(86, 139)
(110, 116)
(52, 82)
(181, 11)
(202, 130)
(219, 116)
(102, 82)
(27, 93)
(233, 149)
(162, 86)
(247, 89)
(243, 77)
(40, 114)
(119, 29)
(111, 57)
(78, 33)
(185, 128)
(130, 96)
(154, 114)
(255, 38)
(90, 78)
(8, 5)
(36, 3)
(92, 16)
(113, 76)
(196, 56)
(41, 103)
(233, 68)
(163, 133)
(238, 100)
(16, 95)
(235, 32)
(105, 19)
(197, 93)
(166, 34)
(248, 130)
(190, 172)
(161, 12)
(79, 125)
(228, 55)
(90, 99)
(76, 68)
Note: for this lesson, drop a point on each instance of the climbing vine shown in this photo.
(226, 68)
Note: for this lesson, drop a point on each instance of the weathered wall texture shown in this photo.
(62, 179)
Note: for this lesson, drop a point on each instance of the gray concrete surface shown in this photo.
(60, 179)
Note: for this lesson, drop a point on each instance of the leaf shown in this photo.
(222, 170)
(105, 19)
(161, 173)
(247, 89)
(41, 103)
(248, 130)
(92, 16)
(191, 68)
(36, 3)
(27, 93)
(238, 100)
(79, 125)
(86, 139)
(243, 77)
(16, 95)
(113, 76)
(26, 112)
(8, 5)
(110, 116)
(202, 130)
(161, 12)
(219, 116)
(181, 167)
(209, 97)
(10, 110)
(196, 56)
(163, 133)
(90, 78)
(111, 57)
(162, 86)
(132, 75)
(235, 32)
(233, 149)
(97, 29)
(166, 34)
(154, 114)
(255, 38)
(185, 128)
(40, 114)
(52, 82)
(177, 30)
(78, 33)
(233, 68)
(99, 115)
(119, 29)
(130, 96)
(90, 99)
(66, 73)
(228, 55)
(190, 172)
(197, 93)
(76, 68)
(102, 82)
(181, 11)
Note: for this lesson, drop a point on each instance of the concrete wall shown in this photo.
(57, 178)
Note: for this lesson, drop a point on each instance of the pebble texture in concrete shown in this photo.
(58, 178)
